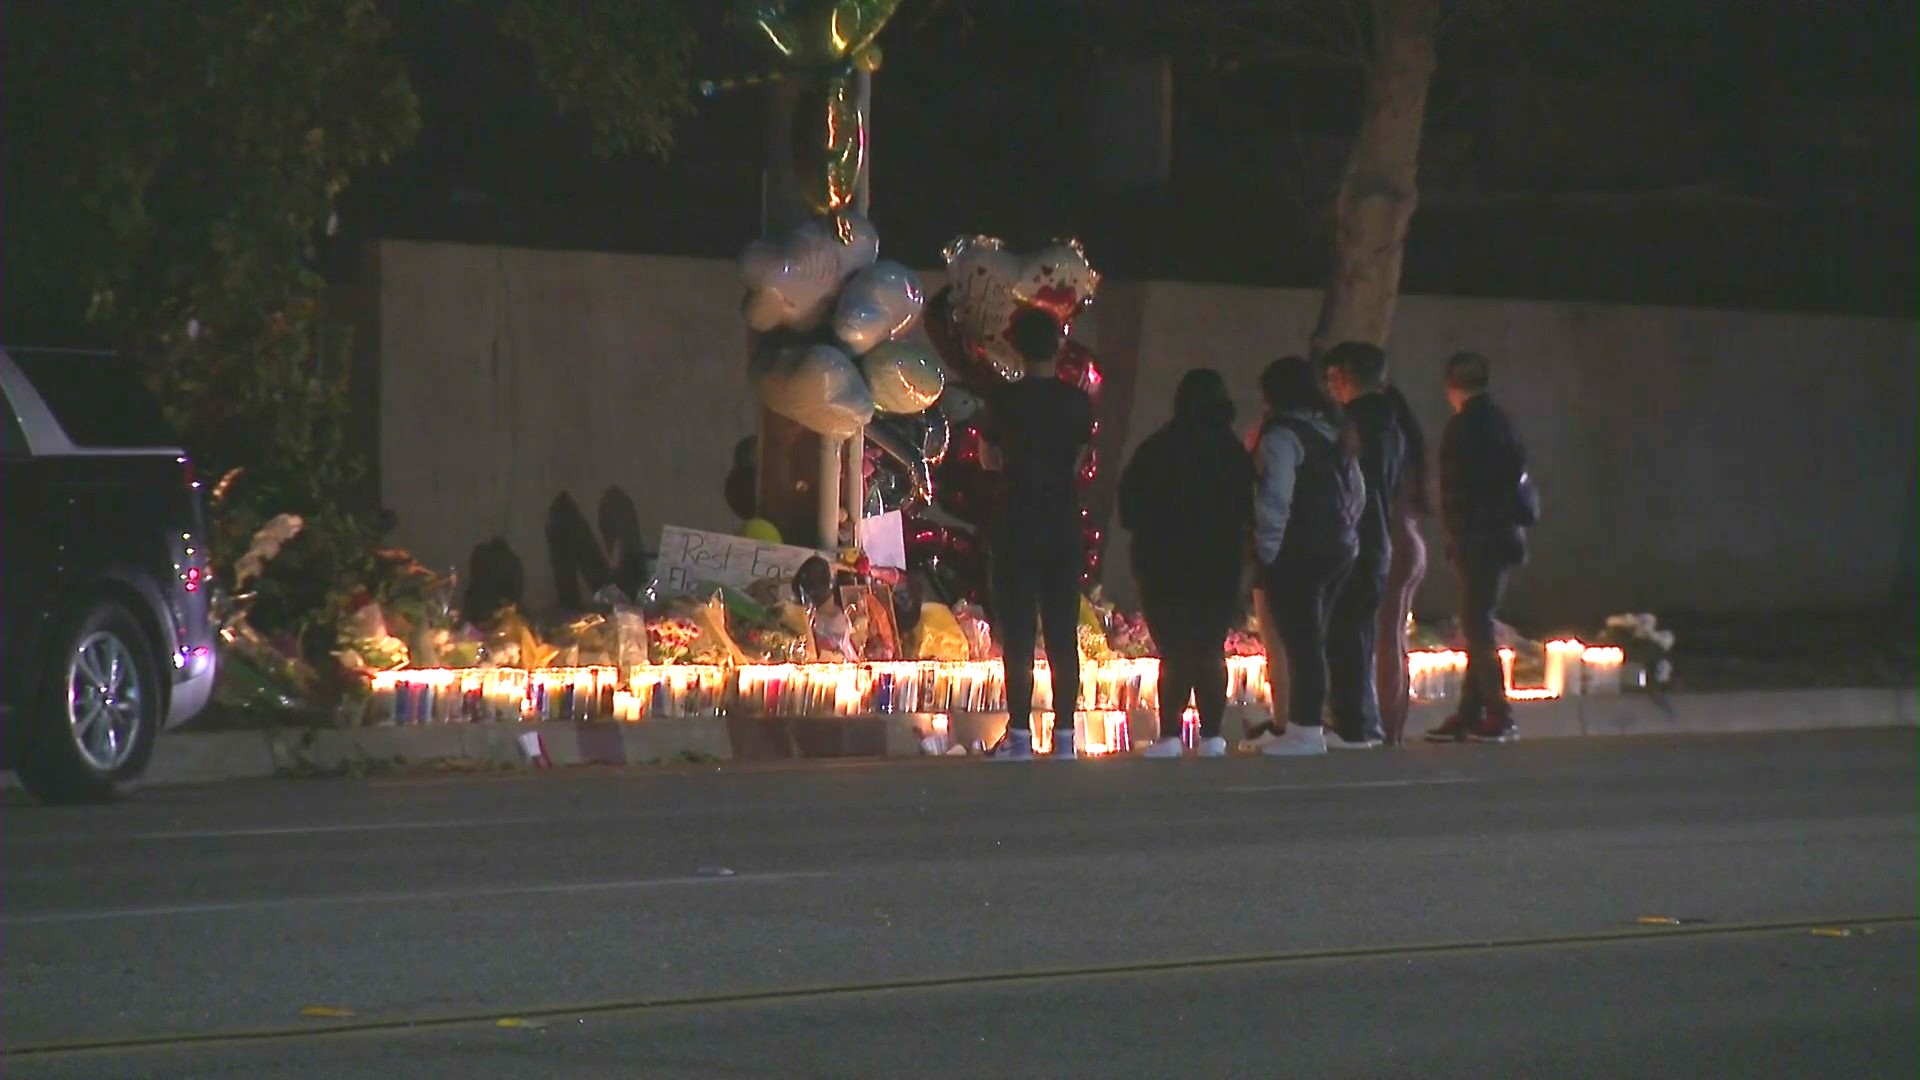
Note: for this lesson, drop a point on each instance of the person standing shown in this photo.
(1187, 498)
(1276, 653)
(1486, 505)
(1412, 503)
(1357, 379)
(1036, 431)
(1306, 535)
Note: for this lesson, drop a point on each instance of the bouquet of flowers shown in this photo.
(1129, 637)
(1639, 636)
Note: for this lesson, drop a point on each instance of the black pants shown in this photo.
(1190, 633)
(1025, 582)
(1351, 640)
(1483, 580)
(1300, 593)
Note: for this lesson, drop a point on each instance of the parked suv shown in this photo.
(105, 635)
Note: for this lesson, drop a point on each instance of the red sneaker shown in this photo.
(1452, 729)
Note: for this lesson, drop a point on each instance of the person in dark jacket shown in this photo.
(1412, 502)
(1357, 379)
(1036, 432)
(1187, 498)
(1306, 535)
(1486, 506)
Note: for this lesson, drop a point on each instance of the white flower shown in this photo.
(1663, 672)
(1643, 625)
(333, 223)
(193, 329)
(1664, 639)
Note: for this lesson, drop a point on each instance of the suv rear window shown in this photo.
(99, 400)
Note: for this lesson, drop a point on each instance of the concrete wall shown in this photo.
(1718, 460)
(509, 376)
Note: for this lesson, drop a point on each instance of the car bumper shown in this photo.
(190, 697)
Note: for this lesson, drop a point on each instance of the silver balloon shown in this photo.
(904, 376)
(959, 404)
(898, 439)
(937, 433)
(880, 303)
(791, 284)
(815, 386)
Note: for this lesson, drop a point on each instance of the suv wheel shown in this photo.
(91, 728)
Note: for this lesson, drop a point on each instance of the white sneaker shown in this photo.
(1063, 748)
(1168, 747)
(1213, 746)
(1335, 742)
(1013, 746)
(1297, 741)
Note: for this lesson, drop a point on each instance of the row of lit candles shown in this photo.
(441, 695)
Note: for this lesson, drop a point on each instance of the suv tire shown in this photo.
(90, 726)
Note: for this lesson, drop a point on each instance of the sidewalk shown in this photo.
(191, 758)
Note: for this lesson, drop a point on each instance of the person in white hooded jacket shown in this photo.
(1306, 535)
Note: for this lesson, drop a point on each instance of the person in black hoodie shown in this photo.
(1187, 498)
(1357, 379)
(1486, 506)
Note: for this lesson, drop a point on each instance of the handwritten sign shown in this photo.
(883, 539)
(690, 558)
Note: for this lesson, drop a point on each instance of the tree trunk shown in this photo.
(1378, 190)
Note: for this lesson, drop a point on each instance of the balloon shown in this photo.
(904, 377)
(898, 440)
(936, 434)
(762, 530)
(815, 33)
(829, 145)
(815, 386)
(791, 284)
(880, 303)
(991, 283)
(960, 404)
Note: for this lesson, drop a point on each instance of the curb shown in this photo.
(243, 755)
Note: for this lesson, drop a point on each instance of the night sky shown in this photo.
(1729, 154)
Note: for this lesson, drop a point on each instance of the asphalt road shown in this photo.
(1437, 912)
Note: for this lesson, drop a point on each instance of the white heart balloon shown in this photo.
(815, 386)
(991, 283)
(791, 284)
(904, 376)
(879, 303)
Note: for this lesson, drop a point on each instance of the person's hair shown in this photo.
(1365, 364)
(1202, 397)
(1291, 384)
(1414, 479)
(1468, 371)
(1034, 335)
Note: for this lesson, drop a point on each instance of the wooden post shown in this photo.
(789, 467)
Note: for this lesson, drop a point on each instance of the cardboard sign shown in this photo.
(690, 558)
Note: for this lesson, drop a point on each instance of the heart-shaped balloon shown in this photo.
(991, 283)
(903, 376)
(791, 284)
(814, 33)
(880, 303)
(815, 386)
